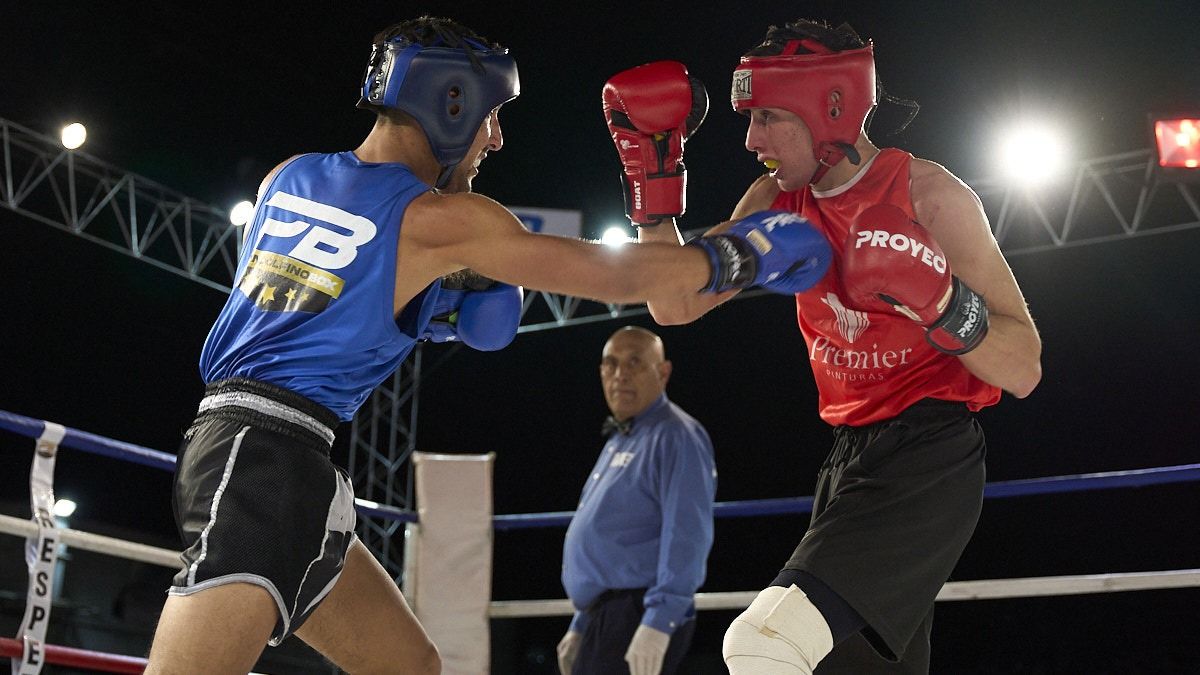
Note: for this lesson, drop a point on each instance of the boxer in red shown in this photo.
(917, 324)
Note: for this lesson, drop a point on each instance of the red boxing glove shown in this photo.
(651, 111)
(891, 258)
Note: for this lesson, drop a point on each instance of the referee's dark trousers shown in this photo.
(612, 620)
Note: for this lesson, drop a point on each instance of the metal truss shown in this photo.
(76, 192)
(1110, 198)
(383, 436)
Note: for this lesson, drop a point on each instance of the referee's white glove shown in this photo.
(646, 650)
(568, 649)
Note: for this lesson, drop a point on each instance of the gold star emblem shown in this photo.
(267, 294)
(291, 295)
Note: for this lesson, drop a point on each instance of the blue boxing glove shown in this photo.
(486, 320)
(778, 250)
(443, 324)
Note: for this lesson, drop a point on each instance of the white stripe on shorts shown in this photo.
(212, 511)
(340, 518)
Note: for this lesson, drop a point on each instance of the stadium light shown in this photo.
(73, 135)
(241, 212)
(1031, 154)
(616, 235)
(63, 508)
(1177, 142)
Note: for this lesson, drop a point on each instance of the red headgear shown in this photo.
(831, 91)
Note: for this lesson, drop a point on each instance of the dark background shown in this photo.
(207, 98)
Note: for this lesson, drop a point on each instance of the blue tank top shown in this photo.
(312, 311)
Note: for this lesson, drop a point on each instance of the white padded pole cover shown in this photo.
(448, 557)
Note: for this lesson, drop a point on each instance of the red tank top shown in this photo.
(870, 365)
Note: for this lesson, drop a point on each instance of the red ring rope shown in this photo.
(78, 658)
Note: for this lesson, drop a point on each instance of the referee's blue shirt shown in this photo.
(645, 518)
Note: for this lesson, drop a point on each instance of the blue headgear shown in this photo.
(448, 91)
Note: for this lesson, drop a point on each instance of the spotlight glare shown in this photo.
(63, 508)
(73, 135)
(1032, 154)
(241, 212)
(616, 236)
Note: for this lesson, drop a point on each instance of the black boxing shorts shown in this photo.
(258, 501)
(895, 505)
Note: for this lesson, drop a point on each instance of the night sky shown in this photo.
(206, 100)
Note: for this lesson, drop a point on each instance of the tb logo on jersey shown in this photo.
(299, 278)
(321, 246)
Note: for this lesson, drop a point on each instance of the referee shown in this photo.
(635, 551)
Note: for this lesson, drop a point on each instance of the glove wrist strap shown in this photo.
(732, 262)
(963, 325)
(651, 198)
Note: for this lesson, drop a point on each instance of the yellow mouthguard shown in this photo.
(771, 164)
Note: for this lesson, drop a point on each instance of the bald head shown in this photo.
(635, 335)
(633, 371)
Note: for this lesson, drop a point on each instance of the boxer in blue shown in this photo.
(351, 258)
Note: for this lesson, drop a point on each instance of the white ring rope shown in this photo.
(98, 543)
(982, 589)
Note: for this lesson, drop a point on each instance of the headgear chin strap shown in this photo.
(831, 91)
(448, 91)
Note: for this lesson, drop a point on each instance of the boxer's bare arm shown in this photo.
(444, 233)
(1010, 356)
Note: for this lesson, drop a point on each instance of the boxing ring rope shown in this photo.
(999, 490)
(984, 589)
(107, 447)
(78, 658)
(952, 591)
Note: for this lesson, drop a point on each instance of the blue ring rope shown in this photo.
(81, 440)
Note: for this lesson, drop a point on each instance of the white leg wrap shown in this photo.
(780, 633)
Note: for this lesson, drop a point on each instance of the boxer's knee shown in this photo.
(781, 632)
